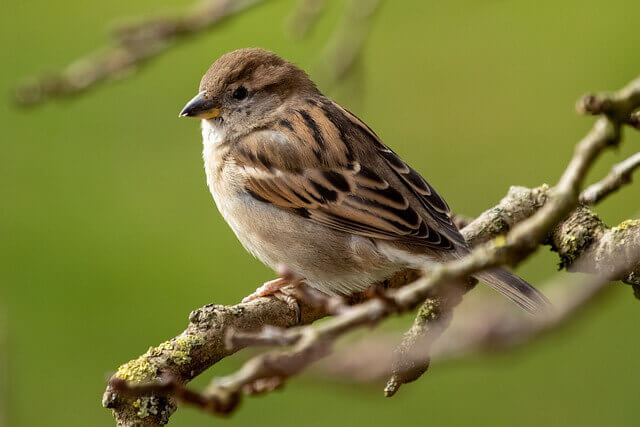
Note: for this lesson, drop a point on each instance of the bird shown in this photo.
(310, 189)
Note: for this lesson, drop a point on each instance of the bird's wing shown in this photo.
(324, 164)
(432, 207)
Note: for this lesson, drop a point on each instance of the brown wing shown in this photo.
(435, 207)
(324, 164)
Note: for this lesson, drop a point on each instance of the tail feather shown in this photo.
(515, 288)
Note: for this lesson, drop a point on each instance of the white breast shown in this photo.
(212, 137)
(225, 189)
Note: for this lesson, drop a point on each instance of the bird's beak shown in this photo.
(201, 108)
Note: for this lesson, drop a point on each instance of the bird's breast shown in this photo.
(225, 185)
(213, 153)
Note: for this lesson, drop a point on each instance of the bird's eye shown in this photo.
(240, 93)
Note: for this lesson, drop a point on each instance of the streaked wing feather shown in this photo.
(436, 206)
(334, 187)
(344, 202)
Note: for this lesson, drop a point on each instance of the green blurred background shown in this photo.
(109, 236)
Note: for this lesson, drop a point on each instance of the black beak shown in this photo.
(201, 108)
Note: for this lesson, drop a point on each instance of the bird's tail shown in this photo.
(515, 288)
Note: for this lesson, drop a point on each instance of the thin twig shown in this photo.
(413, 356)
(215, 402)
(132, 46)
(619, 176)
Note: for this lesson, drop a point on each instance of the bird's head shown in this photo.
(245, 88)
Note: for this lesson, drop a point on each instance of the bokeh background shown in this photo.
(109, 237)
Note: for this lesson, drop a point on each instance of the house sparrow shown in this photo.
(306, 184)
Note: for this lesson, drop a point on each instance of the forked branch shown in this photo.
(503, 235)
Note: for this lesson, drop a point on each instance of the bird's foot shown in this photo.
(281, 288)
(268, 288)
(287, 295)
(287, 279)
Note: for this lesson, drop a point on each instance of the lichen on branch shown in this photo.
(504, 235)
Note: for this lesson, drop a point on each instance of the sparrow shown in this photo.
(304, 183)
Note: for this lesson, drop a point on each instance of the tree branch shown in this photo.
(525, 237)
(486, 325)
(202, 344)
(131, 47)
(134, 45)
(619, 176)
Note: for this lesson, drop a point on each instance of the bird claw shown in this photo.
(287, 295)
(281, 288)
(268, 288)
